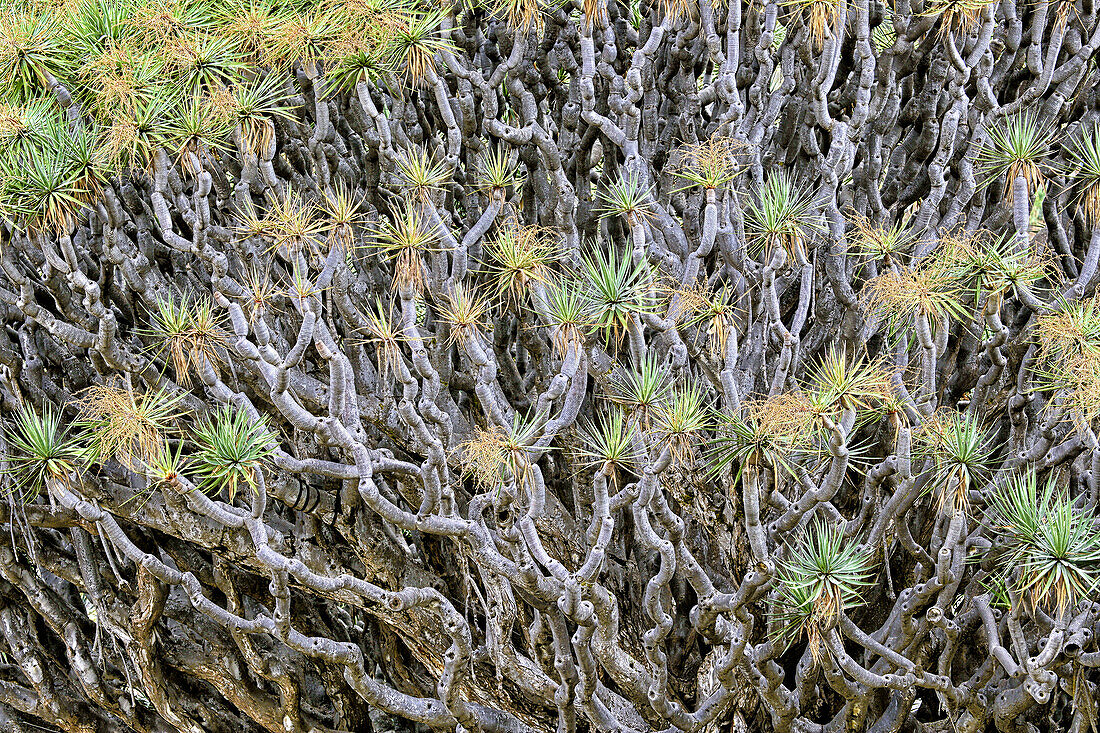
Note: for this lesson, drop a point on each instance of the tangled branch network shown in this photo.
(499, 366)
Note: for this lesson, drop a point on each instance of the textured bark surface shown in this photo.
(434, 535)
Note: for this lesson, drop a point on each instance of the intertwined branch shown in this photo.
(515, 366)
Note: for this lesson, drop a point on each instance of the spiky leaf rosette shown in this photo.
(821, 17)
(781, 215)
(126, 426)
(498, 171)
(1084, 170)
(933, 290)
(568, 314)
(465, 312)
(681, 422)
(712, 313)
(421, 175)
(188, 333)
(1051, 548)
(712, 164)
(30, 53)
(644, 389)
(405, 239)
(627, 197)
(417, 42)
(766, 435)
(231, 450)
(609, 444)
(993, 266)
(618, 289)
(958, 16)
(516, 257)
(1068, 363)
(846, 384)
(1017, 148)
(961, 453)
(496, 455)
(821, 579)
(40, 449)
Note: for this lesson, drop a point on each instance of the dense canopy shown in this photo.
(499, 366)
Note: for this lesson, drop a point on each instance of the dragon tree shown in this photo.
(549, 366)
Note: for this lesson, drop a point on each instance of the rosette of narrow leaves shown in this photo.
(205, 62)
(120, 79)
(160, 22)
(712, 164)
(765, 435)
(1017, 148)
(517, 256)
(421, 175)
(196, 130)
(48, 173)
(465, 312)
(900, 296)
(343, 214)
(406, 238)
(138, 129)
(960, 16)
(781, 214)
(995, 267)
(300, 287)
(359, 66)
(1051, 553)
(1084, 173)
(169, 326)
(260, 291)
(127, 427)
(40, 450)
(961, 456)
(231, 450)
(609, 443)
(92, 27)
(496, 455)
(1069, 357)
(643, 390)
(253, 23)
(86, 160)
(253, 106)
(498, 171)
(25, 126)
(627, 197)
(302, 38)
(1071, 331)
(822, 17)
(42, 191)
(1079, 384)
(167, 464)
(29, 50)
(293, 223)
(878, 241)
(568, 315)
(187, 332)
(821, 579)
(381, 330)
(415, 43)
(850, 385)
(618, 289)
(712, 313)
(681, 422)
